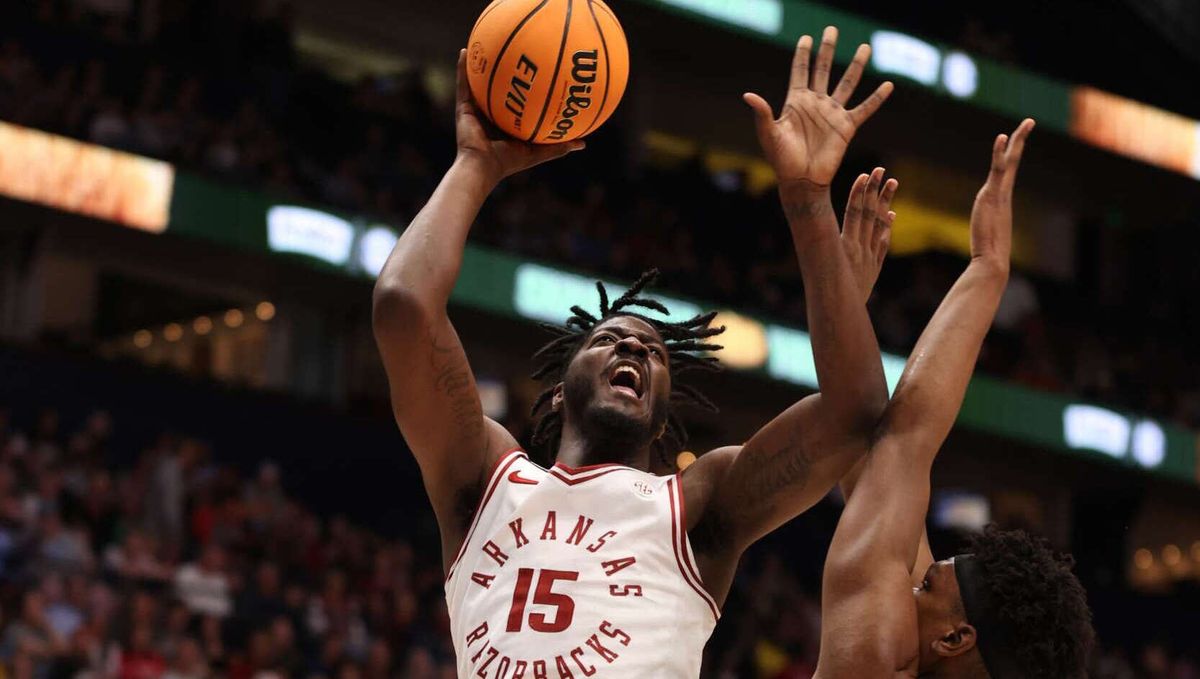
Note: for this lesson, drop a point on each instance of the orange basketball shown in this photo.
(547, 71)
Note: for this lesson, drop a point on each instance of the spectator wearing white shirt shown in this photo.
(203, 586)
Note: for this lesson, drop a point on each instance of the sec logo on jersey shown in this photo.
(643, 490)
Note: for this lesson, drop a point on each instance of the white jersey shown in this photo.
(578, 573)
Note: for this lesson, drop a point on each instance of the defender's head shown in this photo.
(613, 375)
(1011, 608)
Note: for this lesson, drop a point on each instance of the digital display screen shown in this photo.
(85, 179)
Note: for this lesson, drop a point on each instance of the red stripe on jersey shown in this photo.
(679, 547)
(496, 476)
(687, 559)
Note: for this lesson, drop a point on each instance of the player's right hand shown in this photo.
(991, 217)
(807, 142)
(499, 154)
(867, 227)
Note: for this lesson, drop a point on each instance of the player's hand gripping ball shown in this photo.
(547, 71)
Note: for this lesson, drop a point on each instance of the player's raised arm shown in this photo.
(867, 571)
(433, 391)
(794, 460)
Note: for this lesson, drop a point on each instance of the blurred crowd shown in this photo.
(217, 87)
(180, 566)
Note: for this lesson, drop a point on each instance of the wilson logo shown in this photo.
(579, 95)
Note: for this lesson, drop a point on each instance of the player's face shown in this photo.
(619, 382)
(938, 608)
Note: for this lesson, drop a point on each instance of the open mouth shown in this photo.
(627, 380)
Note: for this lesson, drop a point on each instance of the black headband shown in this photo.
(993, 635)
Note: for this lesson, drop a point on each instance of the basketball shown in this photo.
(547, 71)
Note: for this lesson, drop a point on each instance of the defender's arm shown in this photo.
(878, 535)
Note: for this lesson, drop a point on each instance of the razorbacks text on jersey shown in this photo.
(569, 573)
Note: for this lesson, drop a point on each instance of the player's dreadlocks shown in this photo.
(681, 339)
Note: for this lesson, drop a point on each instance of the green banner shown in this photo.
(516, 287)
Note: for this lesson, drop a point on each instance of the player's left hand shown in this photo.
(991, 217)
(867, 227)
(808, 140)
(498, 154)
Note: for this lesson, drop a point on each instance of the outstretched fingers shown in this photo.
(884, 240)
(800, 59)
(884, 216)
(852, 220)
(1007, 151)
(863, 112)
(999, 157)
(881, 234)
(870, 205)
(885, 202)
(546, 152)
(820, 76)
(1016, 145)
(848, 83)
(763, 116)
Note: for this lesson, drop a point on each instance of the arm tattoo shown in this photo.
(452, 378)
(778, 470)
(788, 465)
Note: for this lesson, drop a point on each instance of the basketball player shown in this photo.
(1011, 608)
(595, 567)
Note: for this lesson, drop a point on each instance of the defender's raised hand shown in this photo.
(806, 143)
(499, 154)
(867, 227)
(991, 218)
